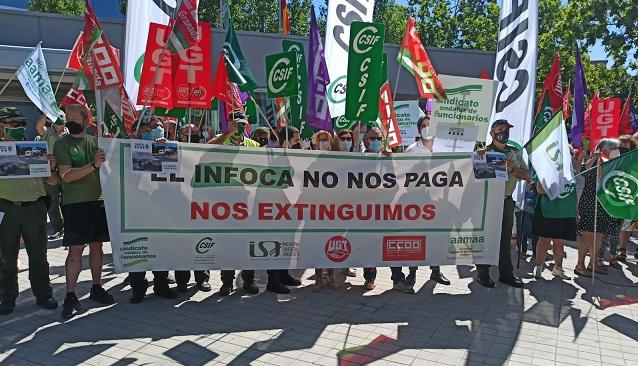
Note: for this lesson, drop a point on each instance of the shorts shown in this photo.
(85, 223)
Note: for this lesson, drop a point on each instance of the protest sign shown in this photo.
(491, 165)
(365, 61)
(299, 104)
(408, 113)
(605, 119)
(156, 83)
(192, 80)
(469, 102)
(341, 15)
(24, 159)
(237, 207)
(281, 75)
(149, 156)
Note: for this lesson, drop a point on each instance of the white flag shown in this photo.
(35, 81)
(139, 14)
(550, 156)
(515, 69)
(340, 14)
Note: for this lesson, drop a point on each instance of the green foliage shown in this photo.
(68, 7)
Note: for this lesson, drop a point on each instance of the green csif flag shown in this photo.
(618, 189)
(299, 103)
(545, 114)
(232, 50)
(113, 123)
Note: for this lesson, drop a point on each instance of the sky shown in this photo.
(109, 9)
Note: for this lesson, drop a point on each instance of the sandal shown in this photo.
(622, 255)
(613, 262)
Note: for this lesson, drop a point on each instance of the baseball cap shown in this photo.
(499, 122)
(11, 113)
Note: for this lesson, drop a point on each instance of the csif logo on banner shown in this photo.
(281, 69)
(204, 245)
(621, 188)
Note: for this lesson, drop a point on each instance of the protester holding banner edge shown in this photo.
(517, 170)
(23, 203)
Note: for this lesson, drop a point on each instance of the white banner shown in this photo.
(341, 14)
(139, 14)
(408, 113)
(232, 207)
(34, 77)
(469, 102)
(515, 69)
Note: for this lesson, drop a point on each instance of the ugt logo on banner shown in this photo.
(365, 61)
(605, 119)
(281, 71)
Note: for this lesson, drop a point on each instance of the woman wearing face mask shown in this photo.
(322, 141)
(607, 149)
(344, 141)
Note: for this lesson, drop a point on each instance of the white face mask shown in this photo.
(425, 133)
(324, 145)
(614, 154)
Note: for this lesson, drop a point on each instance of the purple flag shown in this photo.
(223, 120)
(580, 91)
(318, 114)
(633, 117)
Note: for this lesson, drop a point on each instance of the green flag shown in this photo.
(281, 75)
(545, 114)
(563, 206)
(113, 123)
(618, 190)
(232, 50)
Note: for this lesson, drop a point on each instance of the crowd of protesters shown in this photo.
(72, 199)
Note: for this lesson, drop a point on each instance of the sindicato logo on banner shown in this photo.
(621, 188)
(282, 80)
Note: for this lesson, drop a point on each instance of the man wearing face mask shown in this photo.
(262, 135)
(79, 161)
(517, 170)
(23, 203)
(150, 130)
(422, 146)
(234, 135)
(50, 132)
(292, 140)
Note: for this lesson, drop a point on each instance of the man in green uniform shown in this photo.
(23, 213)
(79, 161)
(517, 170)
(51, 131)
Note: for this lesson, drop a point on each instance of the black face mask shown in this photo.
(194, 139)
(263, 142)
(74, 128)
(502, 137)
(624, 150)
(296, 146)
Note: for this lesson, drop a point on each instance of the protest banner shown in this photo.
(618, 190)
(24, 159)
(365, 61)
(299, 104)
(408, 113)
(341, 15)
(281, 75)
(605, 119)
(469, 102)
(236, 207)
(156, 83)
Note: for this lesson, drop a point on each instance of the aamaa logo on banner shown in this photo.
(281, 71)
(365, 61)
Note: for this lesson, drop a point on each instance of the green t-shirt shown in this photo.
(517, 158)
(22, 189)
(76, 153)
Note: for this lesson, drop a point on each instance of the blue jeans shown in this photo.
(524, 231)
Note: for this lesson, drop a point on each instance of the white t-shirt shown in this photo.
(418, 147)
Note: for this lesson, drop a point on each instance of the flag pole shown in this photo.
(286, 101)
(594, 256)
(190, 121)
(264, 116)
(59, 82)
(7, 83)
(396, 83)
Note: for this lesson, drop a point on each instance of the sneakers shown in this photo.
(182, 287)
(225, 290)
(411, 279)
(99, 294)
(278, 288)
(369, 285)
(537, 273)
(165, 292)
(204, 286)
(55, 236)
(71, 306)
(251, 288)
(47, 302)
(137, 297)
(6, 307)
(403, 287)
(560, 272)
(290, 281)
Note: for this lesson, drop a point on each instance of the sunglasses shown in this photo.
(376, 138)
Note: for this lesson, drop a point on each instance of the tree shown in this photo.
(68, 7)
